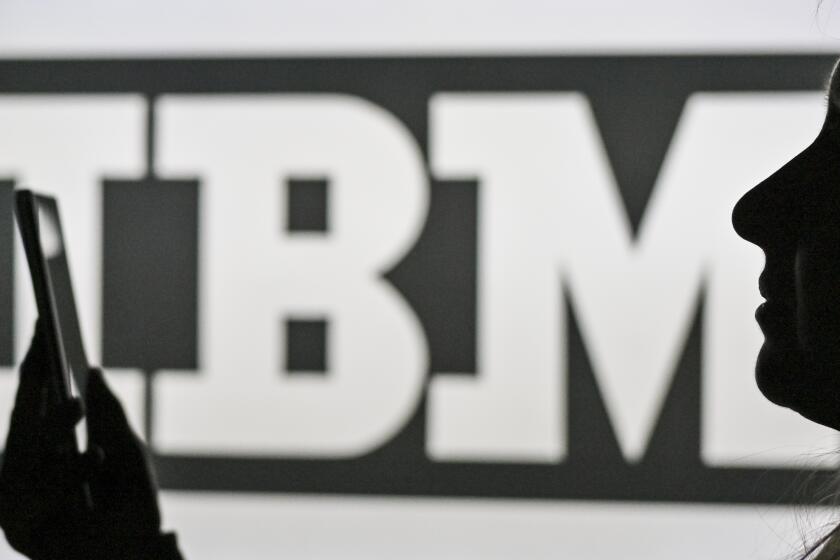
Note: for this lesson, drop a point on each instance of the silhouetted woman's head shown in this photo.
(794, 217)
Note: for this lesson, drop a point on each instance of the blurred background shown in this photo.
(426, 279)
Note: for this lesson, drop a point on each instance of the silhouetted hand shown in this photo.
(126, 516)
(56, 503)
(41, 487)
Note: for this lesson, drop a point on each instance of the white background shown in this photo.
(271, 27)
(229, 526)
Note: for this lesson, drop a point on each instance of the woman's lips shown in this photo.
(774, 319)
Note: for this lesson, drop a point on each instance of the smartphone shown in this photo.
(39, 224)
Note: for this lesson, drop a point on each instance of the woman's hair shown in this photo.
(815, 547)
(828, 496)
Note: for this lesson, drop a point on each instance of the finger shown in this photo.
(127, 462)
(106, 420)
(93, 458)
(56, 434)
(61, 420)
(87, 465)
(38, 346)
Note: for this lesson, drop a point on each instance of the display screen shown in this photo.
(58, 283)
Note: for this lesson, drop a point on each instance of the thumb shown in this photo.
(32, 398)
(34, 375)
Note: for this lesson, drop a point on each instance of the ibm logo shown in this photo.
(454, 277)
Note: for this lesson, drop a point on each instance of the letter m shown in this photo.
(551, 221)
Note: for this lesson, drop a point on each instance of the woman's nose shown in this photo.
(748, 215)
(760, 215)
(769, 213)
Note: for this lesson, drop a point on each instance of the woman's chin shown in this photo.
(784, 377)
(777, 376)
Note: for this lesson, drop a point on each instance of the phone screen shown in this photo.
(58, 281)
